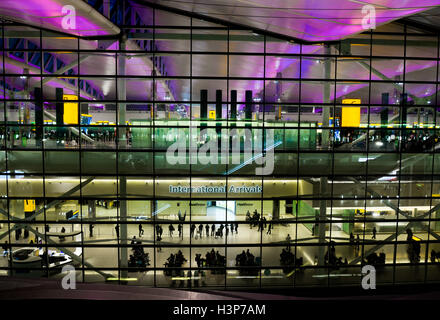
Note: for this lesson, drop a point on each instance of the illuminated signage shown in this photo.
(215, 189)
(351, 116)
(29, 205)
(70, 109)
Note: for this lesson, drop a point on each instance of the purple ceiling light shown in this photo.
(310, 20)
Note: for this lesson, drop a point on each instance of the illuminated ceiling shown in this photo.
(309, 20)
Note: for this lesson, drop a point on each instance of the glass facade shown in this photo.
(194, 154)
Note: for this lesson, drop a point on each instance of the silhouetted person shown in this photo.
(141, 230)
(26, 233)
(171, 230)
(117, 231)
(200, 230)
(374, 233)
(37, 238)
(358, 243)
(269, 230)
(213, 230)
(180, 229)
(91, 226)
(207, 230)
(288, 239)
(5, 249)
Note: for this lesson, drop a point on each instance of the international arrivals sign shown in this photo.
(215, 189)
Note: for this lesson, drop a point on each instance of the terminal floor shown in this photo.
(104, 257)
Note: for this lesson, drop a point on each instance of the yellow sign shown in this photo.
(351, 101)
(212, 114)
(351, 116)
(29, 205)
(70, 109)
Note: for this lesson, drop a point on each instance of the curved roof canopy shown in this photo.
(309, 20)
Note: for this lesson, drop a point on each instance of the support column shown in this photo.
(26, 116)
(39, 120)
(123, 226)
(59, 114)
(322, 219)
(203, 104)
(106, 8)
(218, 105)
(122, 93)
(279, 94)
(218, 115)
(92, 209)
(233, 105)
(84, 108)
(326, 99)
(276, 210)
(203, 112)
(403, 116)
(248, 105)
(384, 113)
(325, 144)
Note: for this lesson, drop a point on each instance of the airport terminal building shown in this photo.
(220, 144)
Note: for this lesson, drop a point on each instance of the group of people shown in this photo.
(19, 232)
(246, 259)
(139, 258)
(212, 259)
(355, 243)
(331, 259)
(257, 221)
(374, 259)
(213, 231)
(174, 261)
(288, 261)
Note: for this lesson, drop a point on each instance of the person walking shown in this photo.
(179, 228)
(374, 233)
(269, 230)
(141, 230)
(91, 226)
(213, 230)
(171, 230)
